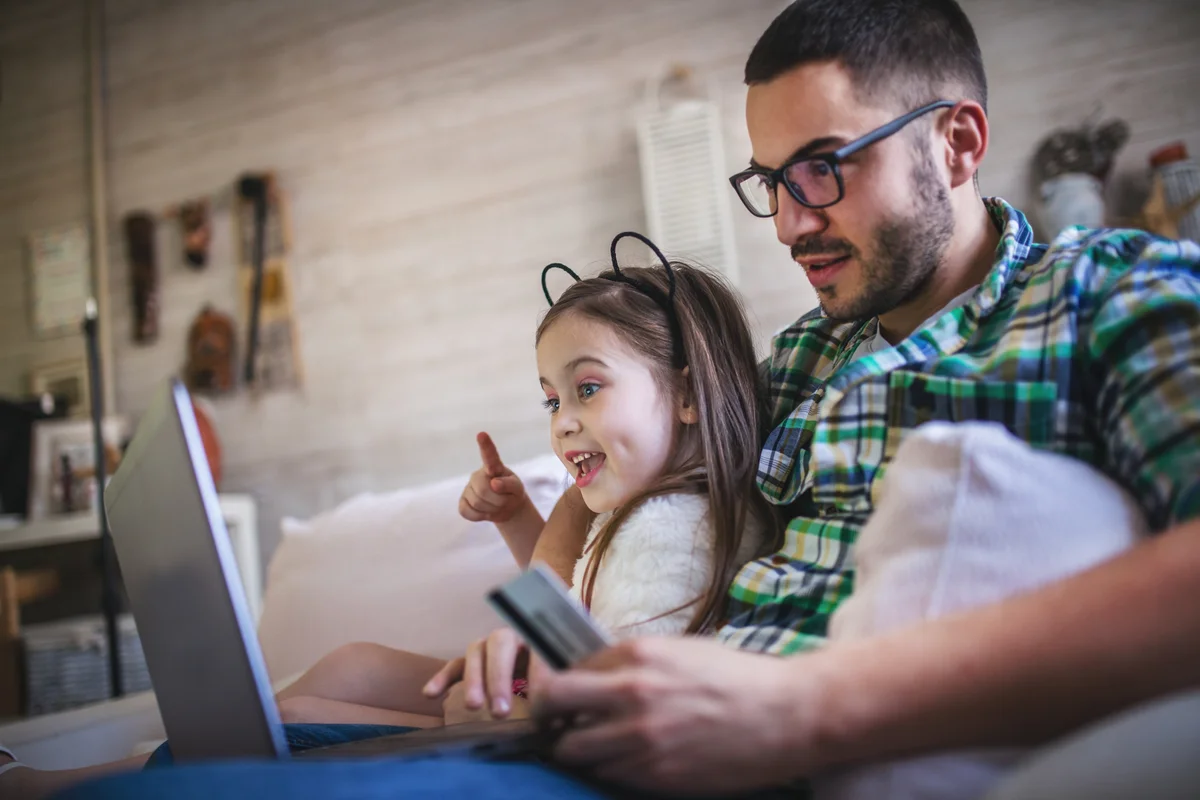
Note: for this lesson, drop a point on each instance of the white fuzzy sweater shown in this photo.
(662, 558)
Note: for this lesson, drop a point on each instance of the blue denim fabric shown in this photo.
(303, 737)
(379, 779)
(362, 779)
(376, 779)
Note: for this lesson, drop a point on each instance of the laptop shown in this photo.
(195, 625)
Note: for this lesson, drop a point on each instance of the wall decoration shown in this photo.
(1071, 167)
(62, 464)
(1173, 208)
(61, 267)
(65, 380)
(143, 275)
(210, 356)
(197, 232)
(272, 351)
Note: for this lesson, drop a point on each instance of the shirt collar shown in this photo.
(1012, 252)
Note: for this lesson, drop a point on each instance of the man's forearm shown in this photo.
(564, 534)
(1022, 671)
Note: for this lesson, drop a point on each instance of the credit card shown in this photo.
(556, 626)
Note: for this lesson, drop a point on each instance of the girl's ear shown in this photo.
(688, 413)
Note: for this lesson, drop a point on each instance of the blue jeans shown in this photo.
(303, 737)
(360, 779)
(380, 779)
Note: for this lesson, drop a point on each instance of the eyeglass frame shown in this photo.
(834, 160)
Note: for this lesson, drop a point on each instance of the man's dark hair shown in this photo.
(909, 50)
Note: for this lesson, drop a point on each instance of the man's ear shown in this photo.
(966, 140)
(688, 413)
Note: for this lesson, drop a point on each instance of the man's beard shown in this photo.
(906, 251)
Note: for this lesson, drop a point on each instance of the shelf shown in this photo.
(56, 530)
(241, 520)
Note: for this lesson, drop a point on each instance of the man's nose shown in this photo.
(795, 221)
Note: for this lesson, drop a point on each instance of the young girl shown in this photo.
(654, 404)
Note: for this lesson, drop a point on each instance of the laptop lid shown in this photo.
(185, 592)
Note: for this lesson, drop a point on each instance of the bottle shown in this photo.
(1180, 178)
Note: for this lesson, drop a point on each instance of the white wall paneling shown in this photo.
(437, 155)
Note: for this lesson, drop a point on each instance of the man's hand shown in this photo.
(683, 715)
(493, 493)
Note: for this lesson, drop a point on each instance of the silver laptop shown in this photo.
(186, 594)
(195, 626)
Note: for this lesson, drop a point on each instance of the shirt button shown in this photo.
(779, 560)
(829, 511)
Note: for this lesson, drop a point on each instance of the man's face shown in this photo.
(877, 248)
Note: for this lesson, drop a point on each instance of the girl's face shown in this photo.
(610, 424)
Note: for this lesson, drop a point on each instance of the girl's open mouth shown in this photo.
(587, 464)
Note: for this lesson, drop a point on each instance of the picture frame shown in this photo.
(64, 379)
(59, 445)
(60, 278)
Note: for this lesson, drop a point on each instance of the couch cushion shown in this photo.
(968, 515)
(402, 569)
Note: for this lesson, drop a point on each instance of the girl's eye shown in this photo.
(586, 390)
(550, 404)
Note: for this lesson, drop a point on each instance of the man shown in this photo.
(1090, 347)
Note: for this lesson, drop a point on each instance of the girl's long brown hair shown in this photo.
(717, 456)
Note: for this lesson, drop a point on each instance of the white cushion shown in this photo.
(402, 569)
(968, 515)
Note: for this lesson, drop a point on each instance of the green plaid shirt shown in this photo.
(1089, 347)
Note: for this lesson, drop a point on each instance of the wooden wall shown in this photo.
(436, 155)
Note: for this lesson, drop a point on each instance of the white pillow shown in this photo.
(968, 515)
(402, 569)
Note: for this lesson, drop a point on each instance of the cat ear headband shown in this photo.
(665, 301)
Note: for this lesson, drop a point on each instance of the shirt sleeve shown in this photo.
(1143, 362)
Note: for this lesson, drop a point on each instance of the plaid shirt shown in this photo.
(1089, 347)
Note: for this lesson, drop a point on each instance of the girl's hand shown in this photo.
(493, 493)
(486, 673)
(455, 711)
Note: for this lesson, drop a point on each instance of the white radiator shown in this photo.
(685, 188)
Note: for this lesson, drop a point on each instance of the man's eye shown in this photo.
(819, 168)
(550, 404)
(586, 390)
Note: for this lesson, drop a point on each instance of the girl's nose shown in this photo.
(566, 423)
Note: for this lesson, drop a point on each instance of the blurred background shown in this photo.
(422, 160)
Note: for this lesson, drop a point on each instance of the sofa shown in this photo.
(401, 568)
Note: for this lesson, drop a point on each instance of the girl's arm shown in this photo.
(495, 494)
(557, 541)
(522, 531)
(562, 538)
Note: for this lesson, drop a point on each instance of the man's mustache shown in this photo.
(821, 247)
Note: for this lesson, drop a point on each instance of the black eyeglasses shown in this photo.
(814, 181)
